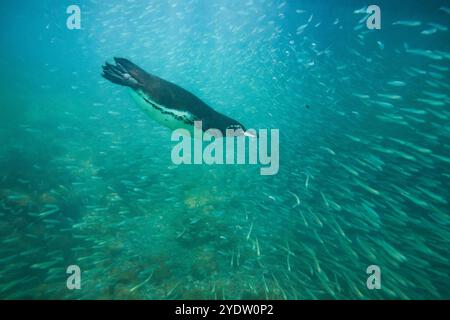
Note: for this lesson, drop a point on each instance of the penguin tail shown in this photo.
(121, 73)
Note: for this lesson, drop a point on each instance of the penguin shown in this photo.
(167, 103)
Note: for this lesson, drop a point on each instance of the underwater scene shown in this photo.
(93, 205)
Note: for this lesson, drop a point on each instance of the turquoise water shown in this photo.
(87, 179)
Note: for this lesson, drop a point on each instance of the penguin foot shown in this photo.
(119, 74)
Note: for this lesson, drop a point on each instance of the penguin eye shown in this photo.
(235, 126)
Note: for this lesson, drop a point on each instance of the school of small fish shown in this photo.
(364, 172)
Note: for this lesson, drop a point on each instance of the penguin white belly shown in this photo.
(171, 118)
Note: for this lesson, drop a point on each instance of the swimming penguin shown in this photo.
(166, 102)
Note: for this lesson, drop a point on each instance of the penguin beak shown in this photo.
(249, 134)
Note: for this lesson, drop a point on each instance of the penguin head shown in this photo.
(239, 129)
(234, 125)
(224, 123)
